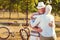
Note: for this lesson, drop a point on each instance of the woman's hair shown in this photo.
(48, 9)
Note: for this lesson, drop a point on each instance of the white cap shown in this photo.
(40, 5)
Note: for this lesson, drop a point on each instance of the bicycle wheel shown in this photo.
(23, 34)
(4, 33)
(28, 31)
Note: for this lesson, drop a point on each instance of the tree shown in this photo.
(55, 4)
(21, 5)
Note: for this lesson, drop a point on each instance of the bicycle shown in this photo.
(5, 33)
(24, 33)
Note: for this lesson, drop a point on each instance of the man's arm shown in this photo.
(36, 22)
(33, 15)
(36, 28)
(34, 25)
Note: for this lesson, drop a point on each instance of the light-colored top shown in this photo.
(43, 21)
(35, 15)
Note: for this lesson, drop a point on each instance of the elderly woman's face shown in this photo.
(41, 11)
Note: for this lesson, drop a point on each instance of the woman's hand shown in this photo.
(51, 24)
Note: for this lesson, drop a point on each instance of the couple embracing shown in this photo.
(43, 22)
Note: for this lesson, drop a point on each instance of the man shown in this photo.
(41, 10)
(47, 24)
(36, 29)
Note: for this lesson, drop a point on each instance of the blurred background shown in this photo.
(19, 11)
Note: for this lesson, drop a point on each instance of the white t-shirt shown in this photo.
(43, 21)
(35, 15)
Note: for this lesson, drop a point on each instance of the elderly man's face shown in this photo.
(41, 11)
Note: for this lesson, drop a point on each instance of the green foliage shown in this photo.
(56, 6)
(29, 5)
